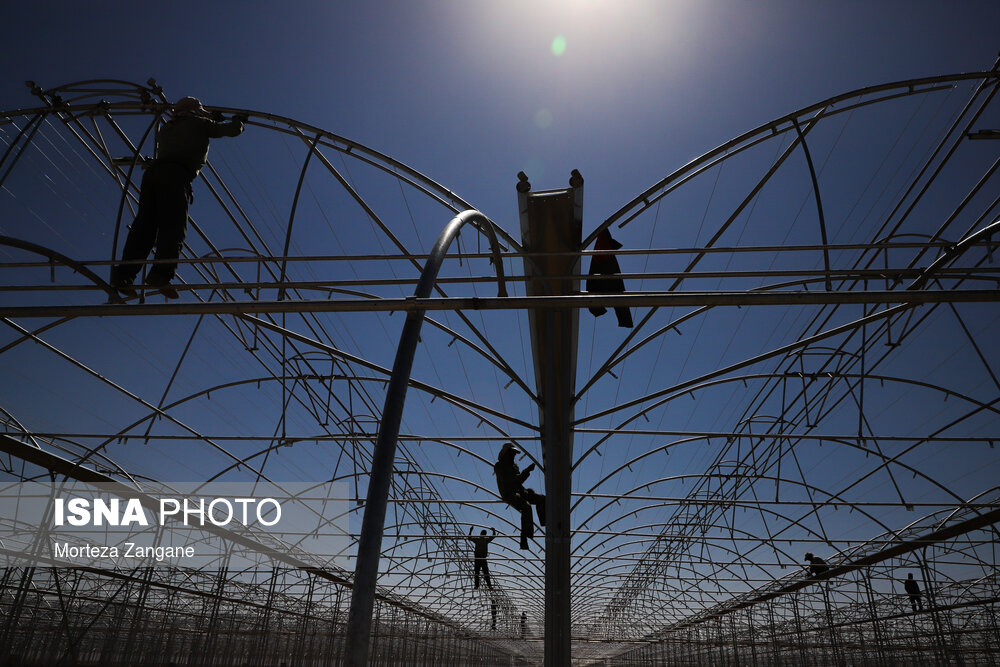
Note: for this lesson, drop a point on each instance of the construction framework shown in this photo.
(812, 369)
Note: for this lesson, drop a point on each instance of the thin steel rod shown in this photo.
(880, 246)
(338, 286)
(364, 437)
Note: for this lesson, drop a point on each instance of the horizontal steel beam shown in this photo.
(647, 299)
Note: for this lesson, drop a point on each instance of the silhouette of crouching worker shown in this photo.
(817, 566)
(913, 591)
(510, 484)
(481, 552)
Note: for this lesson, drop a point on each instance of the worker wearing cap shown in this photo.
(817, 565)
(181, 152)
(510, 484)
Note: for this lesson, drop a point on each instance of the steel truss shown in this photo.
(811, 370)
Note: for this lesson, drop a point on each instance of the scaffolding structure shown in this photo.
(812, 369)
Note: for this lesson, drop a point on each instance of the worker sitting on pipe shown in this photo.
(510, 484)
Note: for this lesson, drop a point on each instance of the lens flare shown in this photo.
(558, 45)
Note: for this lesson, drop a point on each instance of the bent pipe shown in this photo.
(62, 259)
(372, 526)
(819, 201)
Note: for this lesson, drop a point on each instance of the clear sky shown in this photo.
(471, 92)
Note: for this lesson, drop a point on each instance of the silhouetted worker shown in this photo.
(493, 613)
(817, 565)
(607, 265)
(510, 484)
(913, 590)
(524, 624)
(181, 152)
(481, 552)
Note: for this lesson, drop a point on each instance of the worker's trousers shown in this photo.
(160, 220)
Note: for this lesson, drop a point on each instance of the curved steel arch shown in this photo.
(889, 91)
(689, 390)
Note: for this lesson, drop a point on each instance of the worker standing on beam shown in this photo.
(181, 152)
(510, 484)
(913, 591)
(481, 549)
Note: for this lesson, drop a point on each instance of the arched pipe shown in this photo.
(819, 201)
(383, 458)
(34, 124)
(291, 216)
(883, 92)
(54, 256)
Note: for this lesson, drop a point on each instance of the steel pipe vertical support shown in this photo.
(552, 222)
(359, 620)
(557, 440)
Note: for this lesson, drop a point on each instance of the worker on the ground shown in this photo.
(817, 565)
(181, 152)
(493, 611)
(510, 484)
(913, 591)
(524, 624)
(608, 278)
(481, 554)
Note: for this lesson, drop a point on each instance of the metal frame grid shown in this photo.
(811, 370)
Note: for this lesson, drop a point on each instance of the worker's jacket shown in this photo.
(605, 265)
(510, 479)
(184, 140)
(481, 546)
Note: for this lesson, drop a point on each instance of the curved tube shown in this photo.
(63, 259)
(819, 202)
(372, 526)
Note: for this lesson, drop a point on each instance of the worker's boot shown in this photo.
(162, 283)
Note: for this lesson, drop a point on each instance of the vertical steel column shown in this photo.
(552, 222)
(359, 619)
(880, 648)
(307, 620)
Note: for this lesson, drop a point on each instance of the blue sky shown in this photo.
(457, 89)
